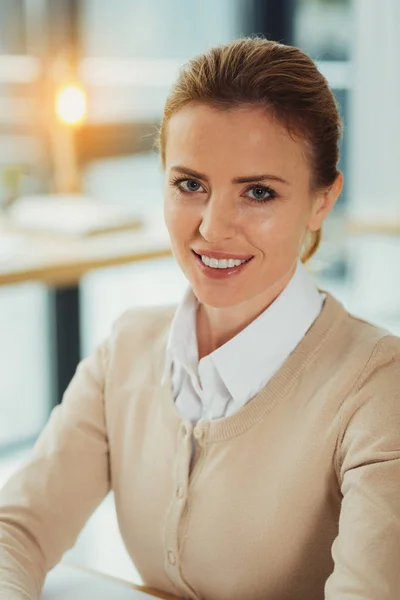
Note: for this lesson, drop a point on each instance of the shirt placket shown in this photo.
(215, 396)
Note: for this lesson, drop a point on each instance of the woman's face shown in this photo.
(212, 212)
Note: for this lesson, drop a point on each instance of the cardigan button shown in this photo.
(171, 558)
(198, 433)
(180, 492)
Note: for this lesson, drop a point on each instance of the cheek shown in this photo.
(181, 222)
(171, 214)
(278, 233)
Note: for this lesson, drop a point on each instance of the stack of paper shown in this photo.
(70, 215)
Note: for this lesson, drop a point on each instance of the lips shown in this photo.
(217, 273)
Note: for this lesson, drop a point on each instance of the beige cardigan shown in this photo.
(294, 497)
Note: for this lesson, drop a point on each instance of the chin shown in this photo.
(216, 299)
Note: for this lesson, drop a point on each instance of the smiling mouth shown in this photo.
(222, 264)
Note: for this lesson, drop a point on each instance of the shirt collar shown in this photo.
(182, 343)
(246, 359)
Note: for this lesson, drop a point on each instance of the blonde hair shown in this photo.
(257, 72)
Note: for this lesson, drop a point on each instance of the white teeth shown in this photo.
(224, 263)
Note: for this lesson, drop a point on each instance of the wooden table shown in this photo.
(378, 227)
(60, 262)
(71, 581)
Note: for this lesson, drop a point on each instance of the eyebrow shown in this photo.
(248, 179)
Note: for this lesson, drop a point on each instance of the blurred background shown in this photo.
(82, 88)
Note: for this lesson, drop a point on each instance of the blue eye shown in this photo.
(180, 180)
(264, 190)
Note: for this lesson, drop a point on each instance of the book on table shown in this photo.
(70, 215)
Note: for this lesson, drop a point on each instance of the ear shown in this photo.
(324, 202)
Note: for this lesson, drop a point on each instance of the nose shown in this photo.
(218, 220)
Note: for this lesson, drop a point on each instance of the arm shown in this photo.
(366, 551)
(45, 504)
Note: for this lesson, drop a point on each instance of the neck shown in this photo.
(216, 326)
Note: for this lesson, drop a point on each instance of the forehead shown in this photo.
(244, 139)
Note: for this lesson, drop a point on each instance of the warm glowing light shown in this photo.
(71, 105)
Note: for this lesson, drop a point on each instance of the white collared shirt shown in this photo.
(221, 383)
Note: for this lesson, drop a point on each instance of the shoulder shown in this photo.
(361, 365)
(370, 414)
(147, 320)
(141, 326)
(138, 329)
(372, 352)
(379, 349)
(385, 355)
(357, 346)
(380, 376)
(136, 343)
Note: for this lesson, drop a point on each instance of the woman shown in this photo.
(252, 436)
